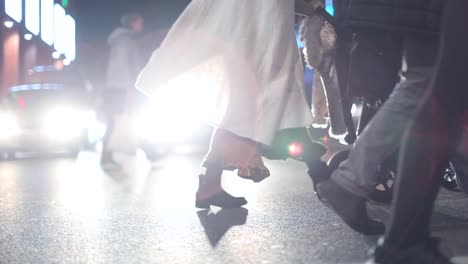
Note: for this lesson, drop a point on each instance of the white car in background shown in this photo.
(46, 117)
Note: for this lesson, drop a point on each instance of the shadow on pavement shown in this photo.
(216, 224)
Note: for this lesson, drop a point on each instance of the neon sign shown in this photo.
(47, 21)
(70, 28)
(32, 16)
(59, 29)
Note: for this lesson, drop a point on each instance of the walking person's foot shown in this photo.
(351, 208)
(212, 194)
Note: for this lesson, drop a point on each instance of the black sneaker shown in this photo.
(351, 208)
(426, 252)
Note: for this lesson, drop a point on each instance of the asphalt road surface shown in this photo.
(61, 210)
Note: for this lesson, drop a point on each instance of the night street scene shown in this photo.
(234, 131)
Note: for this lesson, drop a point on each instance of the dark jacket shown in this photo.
(395, 15)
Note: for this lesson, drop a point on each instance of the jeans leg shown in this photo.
(382, 136)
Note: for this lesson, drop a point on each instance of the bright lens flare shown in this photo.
(295, 149)
(175, 114)
(8, 126)
(65, 123)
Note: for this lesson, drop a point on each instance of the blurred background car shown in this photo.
(53, 112)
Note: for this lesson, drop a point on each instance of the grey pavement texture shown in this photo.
(66, 211)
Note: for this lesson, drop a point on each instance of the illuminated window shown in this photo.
(14, 9)
(32, 16)
(60, 33)
(47, 21)
(70, 27)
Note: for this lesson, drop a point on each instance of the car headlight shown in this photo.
(162, 125)
(171, 117)
(66, 123)
(8, 125)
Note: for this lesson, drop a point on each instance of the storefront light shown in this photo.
(14, 9)
(47, 21)
(66, 62)
(70, 38)
(65, 3)
(55, 55)
(32, 16)
(60, 30)
(28, 36)
(8, 24)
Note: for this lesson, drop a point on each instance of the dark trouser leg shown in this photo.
(380, 139)
(106, 152)
(316, 168)
(115, 103)
(433, 136)
(430, 143)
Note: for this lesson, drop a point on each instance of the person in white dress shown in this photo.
(243, 56)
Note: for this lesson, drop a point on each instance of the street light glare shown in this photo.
(8, 126)
(28, 36)
(66, 62)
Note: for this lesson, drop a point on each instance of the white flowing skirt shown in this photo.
(238, 61)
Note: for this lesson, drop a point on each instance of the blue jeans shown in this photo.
(382, 136)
